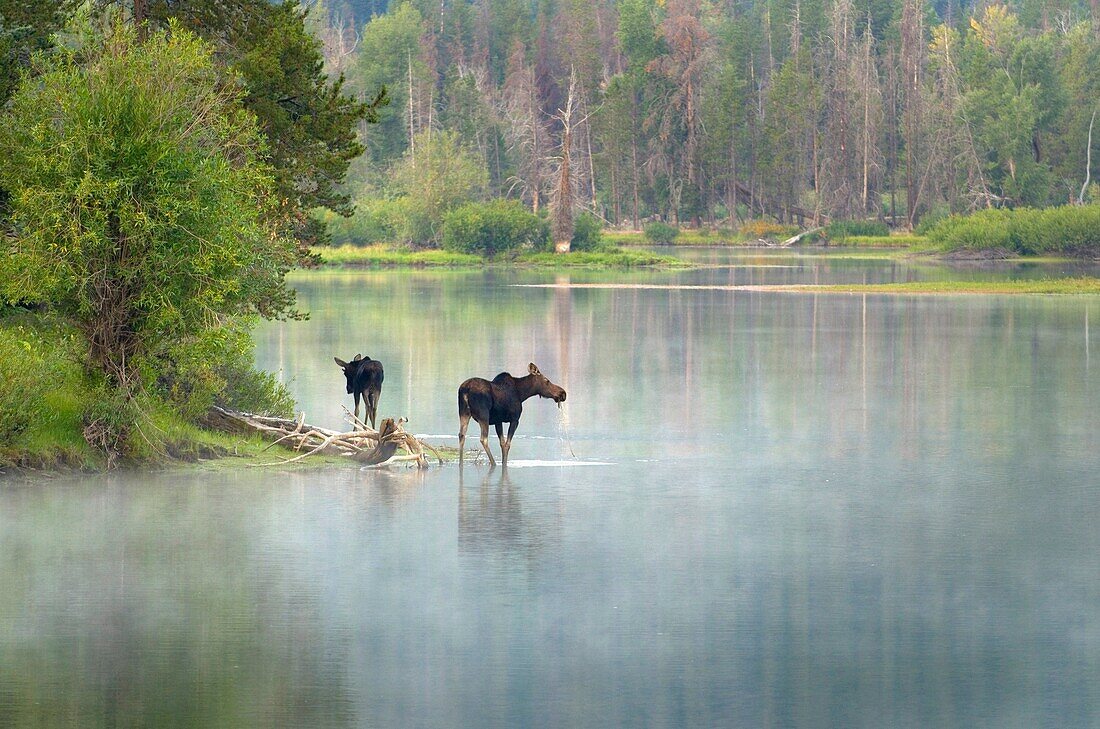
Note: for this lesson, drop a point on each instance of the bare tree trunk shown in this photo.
(412, 131)
(634, 159)
(536, 193)
(731, 187)
(563, 201)
(139, 18)
(591, 162)
(1088, 161)
(616, 203)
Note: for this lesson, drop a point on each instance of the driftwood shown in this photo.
(794, 240)
(374, 448)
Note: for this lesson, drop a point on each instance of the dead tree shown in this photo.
(564, 194)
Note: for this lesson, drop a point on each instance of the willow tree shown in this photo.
(139, 202)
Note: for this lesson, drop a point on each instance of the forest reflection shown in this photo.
(823, 510)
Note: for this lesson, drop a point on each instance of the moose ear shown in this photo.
(532, 368)
(357, 358)
(340, 363)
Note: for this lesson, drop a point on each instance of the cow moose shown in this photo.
(364, 377)
(499, 402)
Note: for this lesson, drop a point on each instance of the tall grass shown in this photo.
(839, 229)
(43, 394)
(1066, 230)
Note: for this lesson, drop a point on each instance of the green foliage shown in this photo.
(911, 242)
(309, 122)
(847, 228)
(390, 44)
(382, 256)
(661, 234)
(25, 376)
(139, 203)
(432, 179)
(376, 220)
(215, 368)
(714, 112)
(490, 228)
(26, 27)
(605, 258)
(1069, 230)
(587, 233)
(930, 219)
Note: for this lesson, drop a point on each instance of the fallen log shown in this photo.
(794, 240)
(374, 448)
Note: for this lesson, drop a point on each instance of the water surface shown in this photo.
(814, 510)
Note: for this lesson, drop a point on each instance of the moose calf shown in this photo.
(364, 377)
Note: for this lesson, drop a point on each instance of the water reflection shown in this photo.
(821, 511)
(494, 524)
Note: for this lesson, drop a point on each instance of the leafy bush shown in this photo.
(439, 177)
(587, 233)
(489, 228)
(849, 228)
(217, 369)
(766, 229)
(1072, 230)
(143, 204)
(25, 375)
(374, 221)
(661, 234)
(932, 218)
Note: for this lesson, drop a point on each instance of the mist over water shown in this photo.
(810, 510)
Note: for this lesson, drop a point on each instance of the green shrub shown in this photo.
(490, 228)
(25, 375)
(661, 234)
(1069, 230)
(930, 219)
(217, 369)
(374, 221)
(587, 233)
(849, 228)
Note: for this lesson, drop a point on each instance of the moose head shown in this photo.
(543, 386)
(350, 370)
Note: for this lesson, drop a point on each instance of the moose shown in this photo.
(364, 377)
(499, 402)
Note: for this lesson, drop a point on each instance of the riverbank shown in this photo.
(719, 238)
(381, 256)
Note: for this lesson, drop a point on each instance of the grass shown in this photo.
(914, 243)
(706, 237)
(687, 237)
(386, 257)
(1067, 230)
(381, 256)
(1078, 285)
(613, 258)
(45, 396)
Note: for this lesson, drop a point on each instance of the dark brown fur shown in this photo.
(364, 376)
(499, 402)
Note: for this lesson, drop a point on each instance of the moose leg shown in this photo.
(485, 443)
(356, 393)
(503, 448)
(463, 421)
(506, 444)
(372, 406)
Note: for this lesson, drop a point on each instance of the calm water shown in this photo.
(824, 510)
